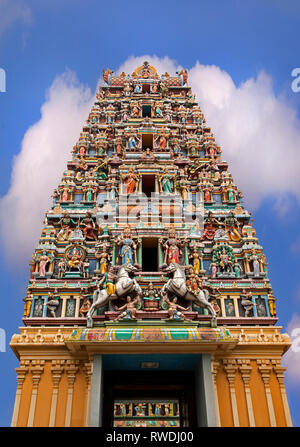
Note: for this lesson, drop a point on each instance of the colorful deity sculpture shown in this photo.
(44, 260)
(28, 303)
(127, 247)
(246, 301)
(256, 262)
(151, 298)
(88, 227)
(174, 309)
(52, 303)
(130, 180)
(172, 247)
(129, 309)
(103, 259)
(197, 259)
(231, 228)
(210, 227)
(167, 182)
(193, 282)
(66, 224)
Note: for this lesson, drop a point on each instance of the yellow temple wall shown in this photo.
(54, 383)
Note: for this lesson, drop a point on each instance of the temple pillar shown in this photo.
(56, 371)
(36, 371)
(265, 371)
(279, 371)
(231, 369)
(71, 370)
(245, 370)
(88, 380)
(96, 402)
(21, 374)
(215, 369)
(206, 412)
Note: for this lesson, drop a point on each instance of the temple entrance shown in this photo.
(147, 141)
(148, 184)
(146, 111)
(150, 255)
(149, 399)
(146, 88)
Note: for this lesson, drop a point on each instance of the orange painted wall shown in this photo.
(61, 402)
(79, 399)
(43, 403)
(277, 401)
(25, 401)
(44, 397)
(259, 400)
(241, 401)
(226, 417)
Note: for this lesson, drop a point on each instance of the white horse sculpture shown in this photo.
(124, 286)
(177, 286)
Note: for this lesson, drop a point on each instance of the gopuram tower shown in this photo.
(149, 302)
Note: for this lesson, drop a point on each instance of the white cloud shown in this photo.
(38, 168)
(13, 11)
(258, 132)
(291, 359)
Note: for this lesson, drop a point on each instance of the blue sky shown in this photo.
(40, 40)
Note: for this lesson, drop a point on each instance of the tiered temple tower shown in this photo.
(149, 302)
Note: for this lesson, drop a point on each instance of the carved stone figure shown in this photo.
(174, 309)
(129, 309)
(128, 247)
(246, 302)
(124, 285)
(52, 303)
(131, 181)
(177, 286)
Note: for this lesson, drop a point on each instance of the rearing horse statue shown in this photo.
(124, 286)
(177, 286)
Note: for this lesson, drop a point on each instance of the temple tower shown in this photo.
(149, 302)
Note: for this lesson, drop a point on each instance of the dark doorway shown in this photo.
(148, 184)
(146, 111)
(146, 88)
(150, 255)
(157, 392)
(147, 141)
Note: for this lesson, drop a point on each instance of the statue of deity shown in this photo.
(210, 227)
(193, 282)
(129, 309)
(195, 255)
(88, 227)
(65, 227)
(108, 282)
(247, 302)
(174, 309)
(103, 258)
(52, 303)
(131, 181)
(28, 303)
(151, 298)
(86, 305)
(256, 262)
(128, 247)
(61, 265)
(172, 247)
(166, 182)
(231, 228)
(44, 260)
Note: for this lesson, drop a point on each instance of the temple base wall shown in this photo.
(60, 383)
